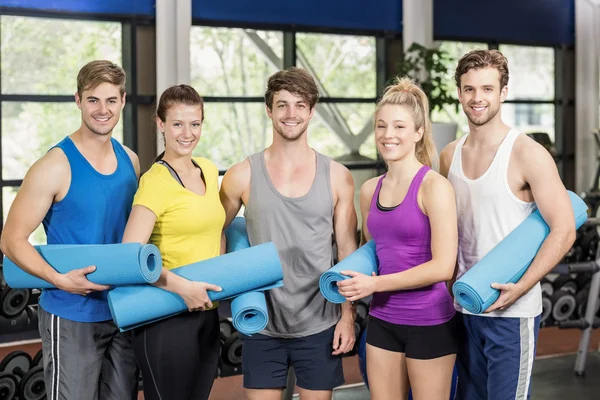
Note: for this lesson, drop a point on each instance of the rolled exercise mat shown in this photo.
(116, 264)
(363, 260)
(237, 236)
(249, 312)
(253, 269)
(508, 261)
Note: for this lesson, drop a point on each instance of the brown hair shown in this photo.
(97, 72)
(178, 94)
(404, 92)
(478, 59)
(296, 81)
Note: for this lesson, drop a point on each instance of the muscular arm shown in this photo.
(344, 220)
(235, 182)
(440, 206)
(552, 200)
(344, 227)
(44, 181)
(134, 160)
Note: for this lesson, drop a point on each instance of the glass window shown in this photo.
(530, 118)
(343, 65)
(456, 50)
(8, 195)
(44, 55)
(531, 72)
(233, 62)
(30, 129)
(233, 131)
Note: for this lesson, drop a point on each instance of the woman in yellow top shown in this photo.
(177, 208)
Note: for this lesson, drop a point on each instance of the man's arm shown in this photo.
(540, 173)
(445, 161)
(235, 182)
(134, 160)
(41, 185)
(344, 227)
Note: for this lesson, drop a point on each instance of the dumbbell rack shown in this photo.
(589, 321)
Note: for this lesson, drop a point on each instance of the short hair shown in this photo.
(478, 59)
(97, 72)
(296, 81)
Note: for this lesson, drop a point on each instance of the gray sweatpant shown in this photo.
(86, 360)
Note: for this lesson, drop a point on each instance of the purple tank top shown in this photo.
(403, 240)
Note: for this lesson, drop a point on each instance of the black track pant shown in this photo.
(179, 356)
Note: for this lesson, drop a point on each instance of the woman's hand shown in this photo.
(195, 295)
(358, 286)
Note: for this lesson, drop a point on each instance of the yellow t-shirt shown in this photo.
(188, 226)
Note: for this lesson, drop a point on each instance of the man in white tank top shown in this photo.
(500, 176)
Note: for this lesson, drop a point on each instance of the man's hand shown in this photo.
(344, 336)
(357, 287)
(76, 282)
(509, 293)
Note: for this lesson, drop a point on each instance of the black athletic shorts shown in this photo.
(417, 342)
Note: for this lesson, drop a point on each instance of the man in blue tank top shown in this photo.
(300, 200)
(81, 191)
(499, 177)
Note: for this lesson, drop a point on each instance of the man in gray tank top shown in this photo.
(302, 201)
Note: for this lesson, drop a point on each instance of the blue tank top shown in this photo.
(94, 211)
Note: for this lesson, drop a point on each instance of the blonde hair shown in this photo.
(404, 92)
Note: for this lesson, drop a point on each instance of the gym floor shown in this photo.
(553, 376)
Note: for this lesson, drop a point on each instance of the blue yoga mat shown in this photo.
(249, 312)
(363, 260)
(236, 235)
(116, 264)
(254, 268)
(508, 261)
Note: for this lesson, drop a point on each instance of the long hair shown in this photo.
(404, 92)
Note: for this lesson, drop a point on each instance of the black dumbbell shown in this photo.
(566, 283)
(546, 309)
(563, 305)
(232, 349)
(362, 311)
(547, 287)
(8, 386)
(225, 328)
(38, 359)
(31, 380)
(13, 301)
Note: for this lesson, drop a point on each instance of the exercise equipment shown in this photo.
(563, 305)
(565, 283)
(232, 349)
(30, 378)
(514, 254)
(547, 287)
(8, 386)
(363, 260)
(249, 313)
(546, 309)
(13, 301)
(253, 269)
(116, 264)
(38, 359)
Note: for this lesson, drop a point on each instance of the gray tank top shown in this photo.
(302, 230)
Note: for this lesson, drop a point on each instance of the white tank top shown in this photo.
(488, 211)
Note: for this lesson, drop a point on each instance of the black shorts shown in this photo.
(417, 342)
(265, 361)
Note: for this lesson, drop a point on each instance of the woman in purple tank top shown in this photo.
(410, 213)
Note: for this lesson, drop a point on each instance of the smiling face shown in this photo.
(480, 95)
(182, 129)
(101, 107)
(395, 132)
(290, 115)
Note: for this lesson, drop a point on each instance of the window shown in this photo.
(40, 61)
(230, 68)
